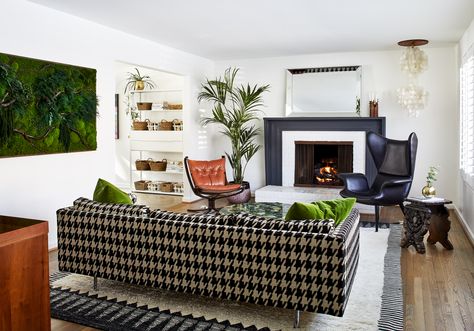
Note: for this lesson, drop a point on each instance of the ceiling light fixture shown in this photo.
(413, 61)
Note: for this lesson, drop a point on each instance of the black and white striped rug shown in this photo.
(392, 310)
(376, 300)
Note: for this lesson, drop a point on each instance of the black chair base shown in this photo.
(210, 208)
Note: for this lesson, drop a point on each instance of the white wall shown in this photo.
(436, 127)
(37, 186)
(467, 190)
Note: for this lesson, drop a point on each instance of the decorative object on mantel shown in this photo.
(374, 106)
(429, 190)
(413, 61)
(235, 108)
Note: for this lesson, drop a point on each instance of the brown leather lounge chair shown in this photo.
(209, 181)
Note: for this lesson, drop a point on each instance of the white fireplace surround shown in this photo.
(288, 149)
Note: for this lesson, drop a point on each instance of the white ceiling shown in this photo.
(226, 29)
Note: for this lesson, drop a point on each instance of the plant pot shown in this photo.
(242, 197)
(428, 191)
(139, 85)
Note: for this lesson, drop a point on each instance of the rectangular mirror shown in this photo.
(333, 91)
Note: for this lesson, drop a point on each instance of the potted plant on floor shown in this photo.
(235, 108)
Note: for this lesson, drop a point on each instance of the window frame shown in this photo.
(466, 107)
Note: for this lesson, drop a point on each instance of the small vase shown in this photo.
(139, 85)
(428, 191)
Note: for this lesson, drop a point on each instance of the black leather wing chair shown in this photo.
(395, 163)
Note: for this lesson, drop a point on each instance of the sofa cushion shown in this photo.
(194, 218)
(277, 224)
(108, 193)
(337, 209)
(85, 204)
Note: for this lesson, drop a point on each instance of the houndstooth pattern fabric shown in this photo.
(111, 208)
(311, 226)
(252, 221)
(294, 270)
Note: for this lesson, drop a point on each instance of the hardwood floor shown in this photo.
(438, 286)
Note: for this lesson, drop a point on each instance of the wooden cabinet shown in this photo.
(24, 275)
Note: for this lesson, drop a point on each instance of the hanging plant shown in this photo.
(137, 81)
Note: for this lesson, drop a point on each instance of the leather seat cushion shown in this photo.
(218, 188)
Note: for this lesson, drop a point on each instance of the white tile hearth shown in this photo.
(291, 194)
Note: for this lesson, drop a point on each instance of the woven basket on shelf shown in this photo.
(158, 165)
(144, 105)
(166, 125)
(166, 187)
(175, 106)
(140, 125)
(142, 185)
(142, 164)
(177, 125)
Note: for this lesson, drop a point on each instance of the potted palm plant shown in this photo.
(137, 81)
(235, 109)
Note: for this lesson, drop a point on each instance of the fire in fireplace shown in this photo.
(317, 163)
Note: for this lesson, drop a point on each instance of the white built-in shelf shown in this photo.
(157, 91)
(171, 172)
(158, 192)
(158, 135)
(163, 111)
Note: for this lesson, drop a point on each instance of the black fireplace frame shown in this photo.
(274, 126)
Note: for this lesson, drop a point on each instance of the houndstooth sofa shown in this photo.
(299, 265)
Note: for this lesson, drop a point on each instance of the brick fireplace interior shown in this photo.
(317, 163)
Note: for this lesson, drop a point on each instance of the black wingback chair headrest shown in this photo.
(393, 157)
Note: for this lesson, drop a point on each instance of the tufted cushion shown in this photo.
(111, 208)
(207, 172)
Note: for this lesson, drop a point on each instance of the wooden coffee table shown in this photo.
(422, 215)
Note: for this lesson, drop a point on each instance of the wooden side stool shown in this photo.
(422, 215)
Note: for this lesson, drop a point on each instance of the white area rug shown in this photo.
(362, 312)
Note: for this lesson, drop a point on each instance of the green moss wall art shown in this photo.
(46, 107)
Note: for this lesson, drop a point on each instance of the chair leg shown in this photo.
(377, 216)
(212, 204)
(211, 207)
(402, 207)
(296, 322)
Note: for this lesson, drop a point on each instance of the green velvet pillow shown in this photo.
(109, 193)
(340, 208)
(337, 209)
(308, 211)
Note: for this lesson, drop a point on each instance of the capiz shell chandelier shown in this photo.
(413, 61)
(412, 98)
